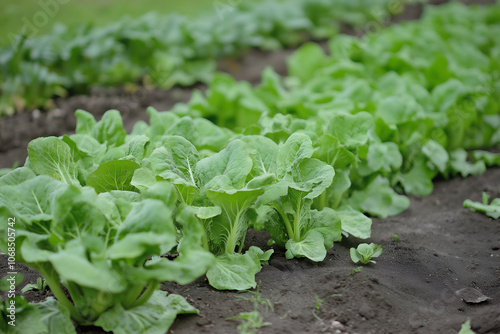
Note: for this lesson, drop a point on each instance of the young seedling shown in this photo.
(396, 237)
(356, 270)
(257, 299)
(320, 301)
(365, 252)
(253, 322)
(40, 285)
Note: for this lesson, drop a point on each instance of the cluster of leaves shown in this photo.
(162, 50)
(388, 111)
(100, 245)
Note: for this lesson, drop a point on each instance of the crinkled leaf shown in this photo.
(51, 156)
(113, 175)
(354, 222)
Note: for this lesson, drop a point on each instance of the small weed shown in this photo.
(396, 237)
(320, 301)
(257, 299)
(253, 322)
(356, 270)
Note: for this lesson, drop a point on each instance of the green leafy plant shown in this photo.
(491, 209)
(40, 285)
(365, 252)
(253, 321)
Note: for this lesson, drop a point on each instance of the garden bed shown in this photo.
(430, 251)
(411, 289)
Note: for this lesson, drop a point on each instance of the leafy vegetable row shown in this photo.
(163, 50)
(304, 157)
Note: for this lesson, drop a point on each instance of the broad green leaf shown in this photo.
(489, 158)
(16, 177)
(381, 157)
(379, 199)
(55, 317)
(85, 122)
(418, 181)
(176, 160)
(233, 161)
(437, 154)
(51, 156)
(312, 176)
(365, 252)
(350, 130)
(154, 317)
(329, 150)
(305, 61)
(113, 175)
(109, 130)
(73, 265)
(263, 152)
(143, 179)
(311, 246)
(354, 222)
(297, 148)
(233, 272)
(459, 164)
(328, 223)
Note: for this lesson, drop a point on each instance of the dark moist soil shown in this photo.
(412, 288)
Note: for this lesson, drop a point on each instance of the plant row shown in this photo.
(163, 50)
(105, 216)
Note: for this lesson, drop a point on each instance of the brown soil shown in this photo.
(411, 289)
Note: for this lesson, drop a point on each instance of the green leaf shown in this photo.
(327, 222)
(143, 179)
(365, 252)
(459, 164)
(297, 148)
(305, 61)
(354, 222)
(350, 130)
(85, 122)
(311, 246)
(491, 210)
(154, 317)
(73, 265)
(418, 181)
(113, 175)
(109, 130)
(466, 329)
(52, 156)
(379, 199)
(233, 162)
(329, 150)
(233, 272)
(16, 177)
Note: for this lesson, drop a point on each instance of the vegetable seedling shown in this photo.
(365, 252)
(40, 285)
